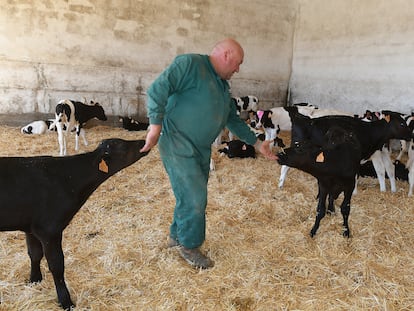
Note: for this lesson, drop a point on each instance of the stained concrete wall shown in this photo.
(344, 54)
(354, 55)
(110, 51)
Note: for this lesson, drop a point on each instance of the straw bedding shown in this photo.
(116, 256)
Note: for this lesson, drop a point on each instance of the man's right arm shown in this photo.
(152, 137)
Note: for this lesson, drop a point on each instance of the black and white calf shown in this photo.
(247, 103)
(73, 115)
(43, 193)
(410, 167)
(246, 107)
(238, 149)
(370, 115)
(277, 119)
(367, 170)
(133, 125)
(381, 159)
(38, 127)
(409, 119)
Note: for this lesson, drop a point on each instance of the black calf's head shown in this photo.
(397, 125)
(63, 110)
(100, 113)
(116, 154)
(125, 121)
(300, 155)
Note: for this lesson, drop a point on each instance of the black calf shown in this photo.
(238, 149)
(133, 125)
(40, 195)
(335, 164)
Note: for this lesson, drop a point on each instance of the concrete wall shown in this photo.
(110, 51)
(353, 54)
(343, 54)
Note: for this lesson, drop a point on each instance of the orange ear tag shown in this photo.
(103, 166)
(320, 158)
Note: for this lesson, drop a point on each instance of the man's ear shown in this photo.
(227, 55)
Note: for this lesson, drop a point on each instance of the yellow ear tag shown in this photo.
(320, 157)
(103, 166)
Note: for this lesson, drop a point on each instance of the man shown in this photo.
(188, 105)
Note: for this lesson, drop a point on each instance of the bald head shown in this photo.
(227, 56)
(227, 44)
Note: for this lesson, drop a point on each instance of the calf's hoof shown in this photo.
(346, 233)
(68, 307)
(330, 212)
(67, 304)
(35, 280)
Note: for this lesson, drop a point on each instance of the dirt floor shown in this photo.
(258, 235)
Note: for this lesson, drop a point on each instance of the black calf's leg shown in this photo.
(55, 260)
(35, 251)
(331, 205)
(320, 210)
(345, 210)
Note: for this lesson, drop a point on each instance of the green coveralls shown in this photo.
(193, 104)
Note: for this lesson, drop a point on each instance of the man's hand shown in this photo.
(152, 137)
(264, 148)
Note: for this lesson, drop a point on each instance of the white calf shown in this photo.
(37, 127)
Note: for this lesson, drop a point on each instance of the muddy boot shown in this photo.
(195, 258)
(172, 242)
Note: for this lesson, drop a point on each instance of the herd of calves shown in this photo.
(329, 145)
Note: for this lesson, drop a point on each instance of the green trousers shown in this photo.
(188, 170)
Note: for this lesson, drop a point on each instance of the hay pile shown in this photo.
(258, 235)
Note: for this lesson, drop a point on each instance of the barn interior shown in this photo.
(342, 54)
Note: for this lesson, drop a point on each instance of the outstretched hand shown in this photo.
(264, 148)
(152, 137)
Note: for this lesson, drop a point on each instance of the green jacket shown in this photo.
(189, 98)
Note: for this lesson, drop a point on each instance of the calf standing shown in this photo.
(410, 167)
(371, 135)
(367, 170)
(247, 103)
(73, 114)
(246, 107)
(40, 195)
(276, 119)
(335, 164)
